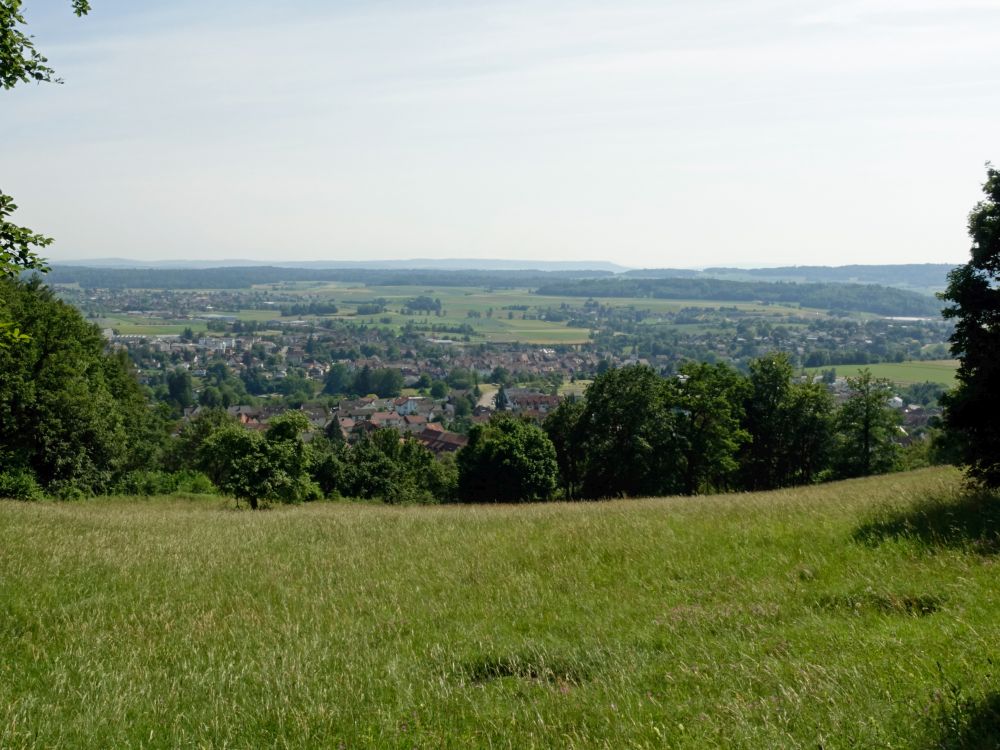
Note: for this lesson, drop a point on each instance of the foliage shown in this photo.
(384, 465)
(627, 428)
(563, 425)
(328, 461)
(17, 243)
(789, 426)
(384, 382)
(972, 410)
(69, 412)
(255, 467)
(339, 380)
(20, 62)
(811, 421)
(19, 485)
(867, 428)
(147, 482)
(507, 461)
(707, 414)
(854, 297)
(764, 463)
(183, 450)
(179, 389)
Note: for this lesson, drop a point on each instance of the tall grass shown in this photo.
(807, 618)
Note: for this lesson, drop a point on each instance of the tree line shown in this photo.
(824, 296)
(244, 277)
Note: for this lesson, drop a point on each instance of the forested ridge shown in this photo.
(918, 275)
(830, 296)
(241, 277)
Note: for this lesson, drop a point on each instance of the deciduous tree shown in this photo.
(707, 416)
(629, 425)
(507, 461)
(868, 428)
(972, 410)
(255, 467)
(72, 414)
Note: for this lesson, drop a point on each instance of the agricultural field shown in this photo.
(494, 315)
(940, 371)
(858, 614)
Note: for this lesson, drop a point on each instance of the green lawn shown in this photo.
(862, 614)
(905, 373)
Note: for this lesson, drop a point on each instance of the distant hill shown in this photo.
(926, 278)
(881, 300)
(445, 264)
(241, 277)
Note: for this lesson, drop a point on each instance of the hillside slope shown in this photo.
(859, 614)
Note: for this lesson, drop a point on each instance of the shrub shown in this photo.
(19, 485)
(148, 483)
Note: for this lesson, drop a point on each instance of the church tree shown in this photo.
(972, 409)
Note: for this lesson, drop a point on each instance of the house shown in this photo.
(414, 423)
(532, 402)
(406, 405)
(386, 419)
(439, 441)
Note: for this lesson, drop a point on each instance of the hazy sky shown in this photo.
(659, 133)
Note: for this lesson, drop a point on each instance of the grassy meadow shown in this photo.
(859, 614)
(940, 371)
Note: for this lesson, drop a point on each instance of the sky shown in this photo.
(658, 133)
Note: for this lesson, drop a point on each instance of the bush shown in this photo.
(195, 483)
(19, 485)
(148, 483)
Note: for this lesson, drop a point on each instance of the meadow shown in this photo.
(940, 371)
(858, 614)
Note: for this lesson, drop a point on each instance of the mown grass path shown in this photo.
(861, 614)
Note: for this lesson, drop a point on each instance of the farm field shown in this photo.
(858, 614)
(904, 373)
(494, 315)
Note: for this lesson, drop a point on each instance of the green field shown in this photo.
(494, 324)
(861, 614)
(904, 373)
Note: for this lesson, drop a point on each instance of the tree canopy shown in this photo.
(70, 413)
(507, 461)
(972, 410)
(252, 466)
(868, 427)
